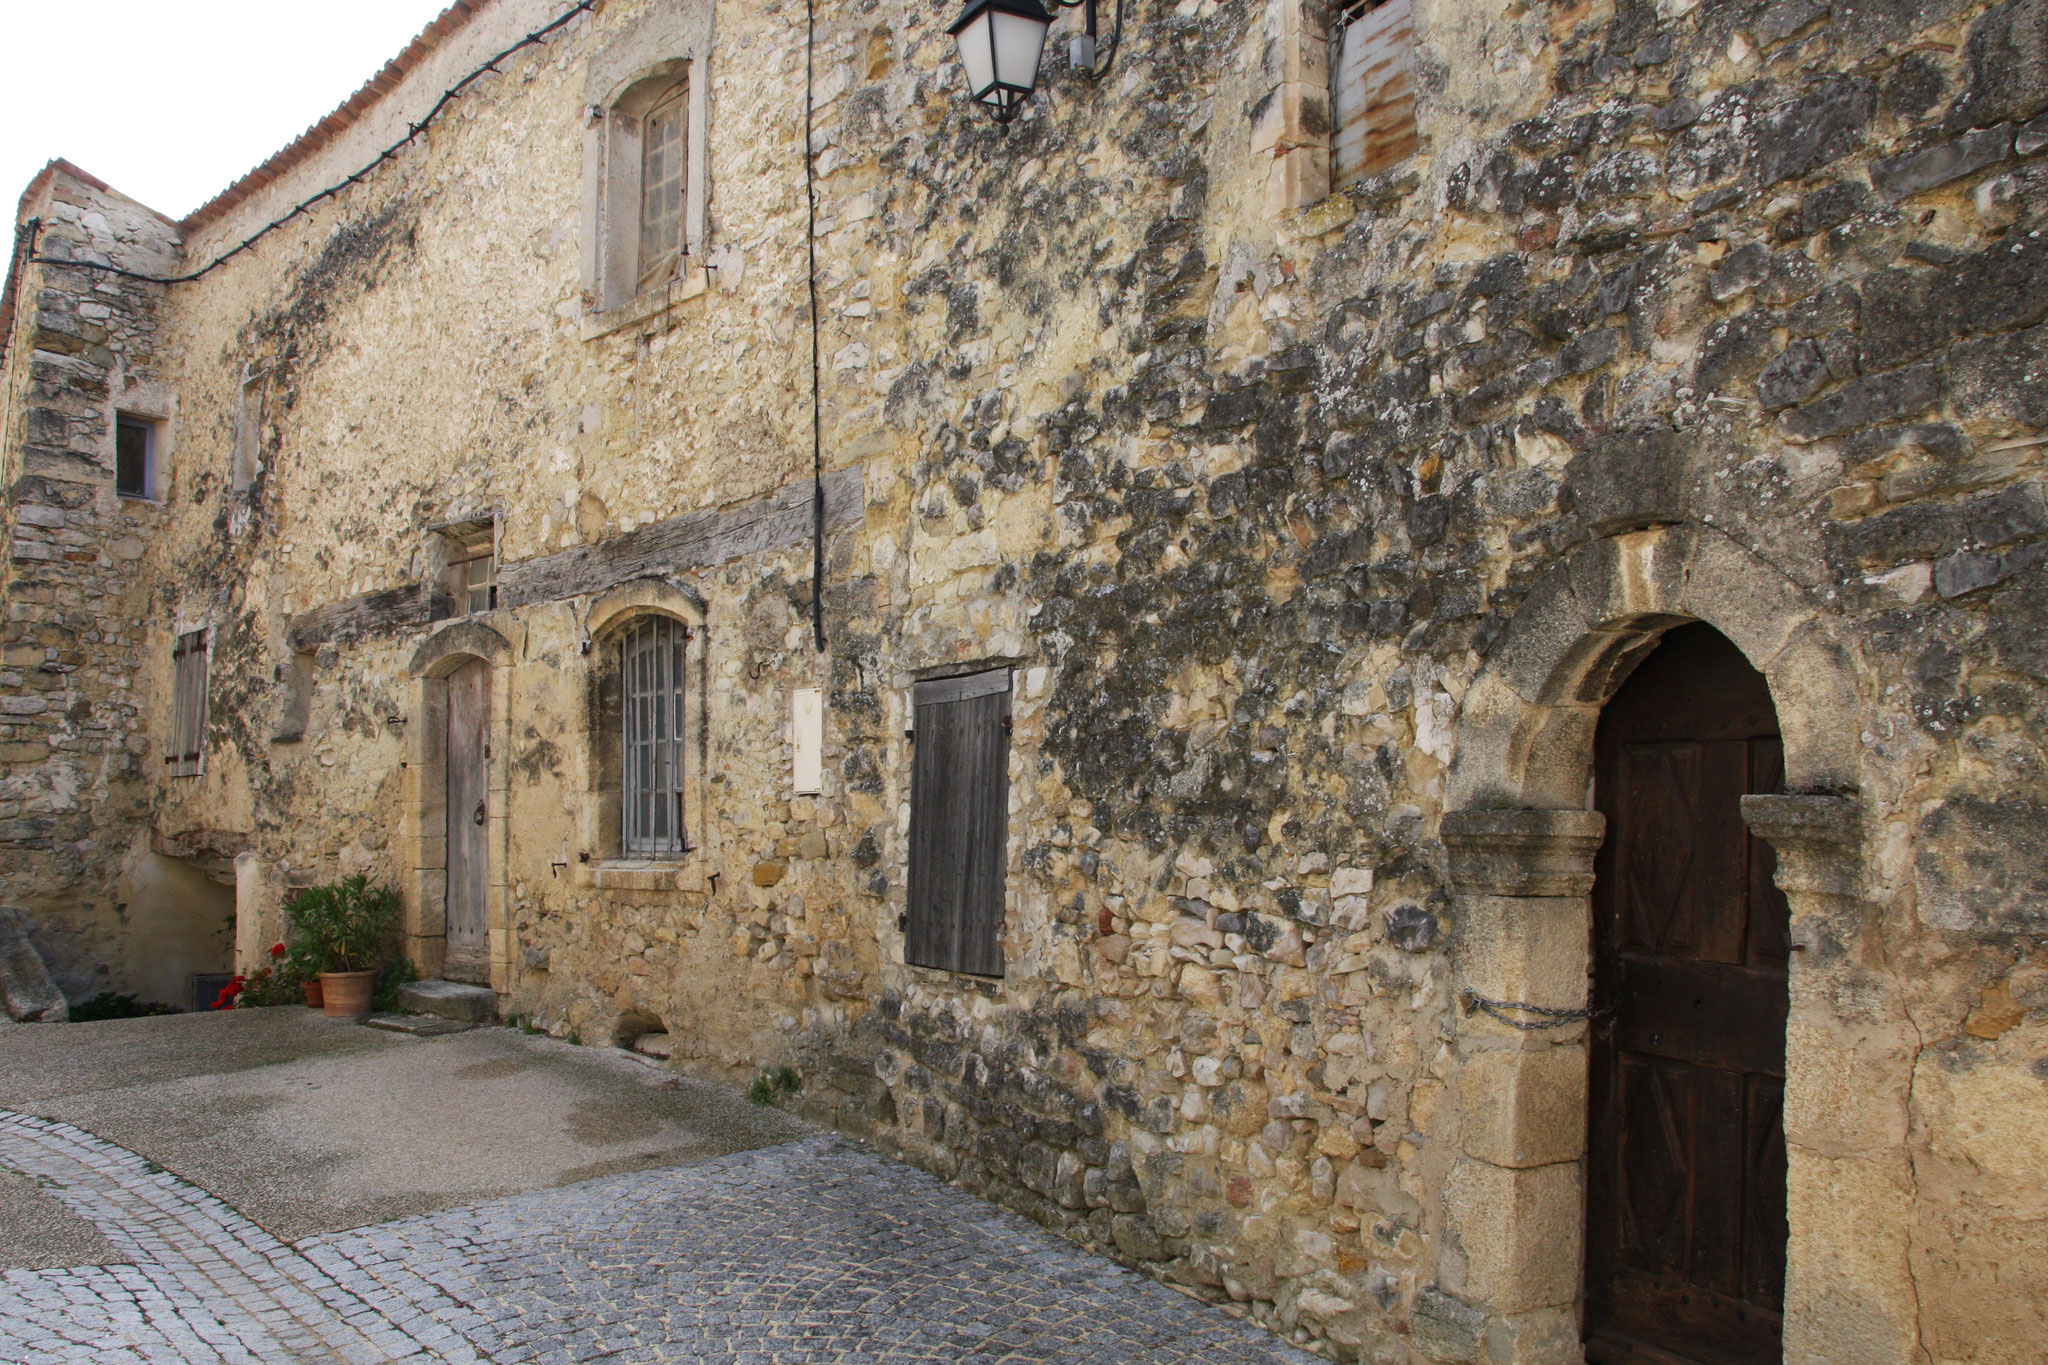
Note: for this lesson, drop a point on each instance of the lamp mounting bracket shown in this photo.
(1082, 48)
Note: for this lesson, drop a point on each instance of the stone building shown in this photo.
(1164, 657)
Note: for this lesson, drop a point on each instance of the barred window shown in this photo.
(186, 755)
(651, 690)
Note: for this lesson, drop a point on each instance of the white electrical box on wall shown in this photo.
(807, 726)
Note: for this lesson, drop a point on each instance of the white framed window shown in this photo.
(664, 171)
(185, 755)
(1372, 88)
(134, 456)
(652, 655)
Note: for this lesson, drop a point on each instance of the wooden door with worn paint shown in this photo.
(1685, 1209)
(469, 858)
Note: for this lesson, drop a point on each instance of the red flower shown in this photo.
(226, 999)
(277, 950)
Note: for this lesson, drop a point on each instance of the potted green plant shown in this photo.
(343, 927)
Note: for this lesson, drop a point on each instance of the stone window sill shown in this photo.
(939, 978)
(641, 874)
(651, 304)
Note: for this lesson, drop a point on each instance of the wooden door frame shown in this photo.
(426, 883)
(1520, 844)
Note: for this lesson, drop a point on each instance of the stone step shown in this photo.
(450, 1000)
(25, 986)
(418, 1025)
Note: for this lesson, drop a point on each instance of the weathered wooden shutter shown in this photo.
(959, 824)
(1372, 89)
(186, 756)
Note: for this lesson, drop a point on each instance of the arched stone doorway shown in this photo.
(456, 903)
(1685, 1167)
(1521, 834)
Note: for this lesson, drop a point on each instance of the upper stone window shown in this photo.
(663, 163)
(248, 460)
(650, 204)
(1372, 88)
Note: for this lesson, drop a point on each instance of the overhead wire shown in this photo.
(413, 131)
(817, 384)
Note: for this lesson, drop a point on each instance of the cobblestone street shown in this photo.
(811, 1250)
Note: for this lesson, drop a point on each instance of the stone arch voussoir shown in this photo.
(451, 647)
(612, 609)
(1525, 735)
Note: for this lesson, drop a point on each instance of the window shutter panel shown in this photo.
(959, 817)
(188, 705)
(927, 942)
(1373, 91)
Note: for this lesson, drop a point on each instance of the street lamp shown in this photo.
(1002, 40)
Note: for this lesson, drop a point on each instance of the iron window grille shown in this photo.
(187, 754)
(651, 658)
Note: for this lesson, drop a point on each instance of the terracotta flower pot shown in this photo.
(314, 1000)
(346, 995)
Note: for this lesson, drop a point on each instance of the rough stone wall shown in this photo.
(1289, 515)
(75, 746)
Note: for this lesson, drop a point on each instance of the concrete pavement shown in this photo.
(267, 1186)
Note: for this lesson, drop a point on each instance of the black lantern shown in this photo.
(1000, 43)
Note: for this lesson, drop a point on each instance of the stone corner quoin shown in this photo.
(1223, 577)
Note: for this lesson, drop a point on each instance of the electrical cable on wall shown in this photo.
(23, 252)
(413, 130)
(817, 386)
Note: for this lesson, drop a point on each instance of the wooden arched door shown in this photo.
(1685, 1207)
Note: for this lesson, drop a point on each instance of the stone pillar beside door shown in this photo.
(1849, 1057)
(1521, 883)
(259, 916)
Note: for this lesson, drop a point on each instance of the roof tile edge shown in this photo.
(430, 40)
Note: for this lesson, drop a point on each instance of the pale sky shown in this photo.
(171, 101)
